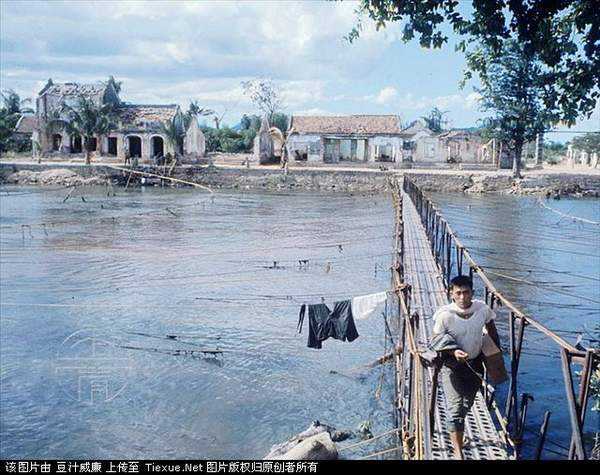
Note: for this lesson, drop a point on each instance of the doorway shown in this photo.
(112, 146)
(56, 141)
(158, 147)
(76, 144)
(135, 146)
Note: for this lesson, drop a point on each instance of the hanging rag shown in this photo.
(324, 323)
(341, 322)
(363, 306)
(318, 322)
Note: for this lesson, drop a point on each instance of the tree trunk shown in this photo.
(86, 146)
(517, 159)
(539, 149)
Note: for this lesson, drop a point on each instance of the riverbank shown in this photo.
(332, 179)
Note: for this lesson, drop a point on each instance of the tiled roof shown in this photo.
(415, 127)
(26, 124)
(348, 124)
(457, 133)
(141, 115)
(76, 89)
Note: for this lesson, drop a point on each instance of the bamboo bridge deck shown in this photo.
(428, 293)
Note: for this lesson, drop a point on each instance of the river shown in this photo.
(101, 295)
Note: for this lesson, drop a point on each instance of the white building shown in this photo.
(137, 131)
(352, 138)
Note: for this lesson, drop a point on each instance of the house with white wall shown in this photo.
(350, 138)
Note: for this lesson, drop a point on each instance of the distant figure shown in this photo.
(127, 159)
(557, 195)
(461, 325)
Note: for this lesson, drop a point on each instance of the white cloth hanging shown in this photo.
(364, 305)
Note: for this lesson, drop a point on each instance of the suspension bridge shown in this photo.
(427, 254)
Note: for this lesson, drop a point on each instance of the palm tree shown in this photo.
(87, 120)
(195, 111)
(176, 128)
(13, 104)
(435, 120)
(174, 133)
(116, 84)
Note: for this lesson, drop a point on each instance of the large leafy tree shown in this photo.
(250, 122)
(514, 89)
(280, 121)
(589, 142)
(560, 37)
(88, 120)
(565, 35)
(13, 104)
(116, 84)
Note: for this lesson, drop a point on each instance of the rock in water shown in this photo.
(316, 447)
(316, 428)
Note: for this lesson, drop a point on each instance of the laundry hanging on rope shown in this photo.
(338, 323)
(324, 323)
(363, 306)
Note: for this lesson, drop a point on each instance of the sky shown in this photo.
(175, 52)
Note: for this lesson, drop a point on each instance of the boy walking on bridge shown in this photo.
(463, 321)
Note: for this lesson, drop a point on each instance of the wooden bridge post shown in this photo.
(459, 259)
(584, 389)
(448, 262)
(542, 439)
(525, 398)
(575, 412)
(516, 344)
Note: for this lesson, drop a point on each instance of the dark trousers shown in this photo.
(461, 383)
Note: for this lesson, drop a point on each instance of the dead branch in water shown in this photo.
(379, 361)
(175, 180)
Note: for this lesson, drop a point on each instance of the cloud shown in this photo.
(391, 97)
(175, 52)
(187, 39)
(386, 95)
(451, 100)
(472, 101)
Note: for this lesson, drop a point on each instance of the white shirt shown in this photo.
(465, 326)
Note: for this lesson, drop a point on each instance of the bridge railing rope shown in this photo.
(452, 257)
(414, 409)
